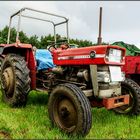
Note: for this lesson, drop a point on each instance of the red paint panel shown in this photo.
(132, 65)
(17, 45)
(32, 67)
(100, 50)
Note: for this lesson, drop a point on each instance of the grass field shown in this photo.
(32, 122)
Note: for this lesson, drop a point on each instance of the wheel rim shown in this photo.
(126, 108)
(65, 114)
(7, 81)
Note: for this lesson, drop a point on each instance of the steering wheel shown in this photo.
(52, 45)
(51, 48)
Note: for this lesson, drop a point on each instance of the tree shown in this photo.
(43, 42)
(23, 37)
(4, 35)
(33, 40)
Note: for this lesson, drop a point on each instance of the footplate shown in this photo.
(110, 103)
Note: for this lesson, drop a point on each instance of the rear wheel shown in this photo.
(1, 60)
(70, 110)
(15, 80)
(133, 89)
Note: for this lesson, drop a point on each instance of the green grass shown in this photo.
(32, 122)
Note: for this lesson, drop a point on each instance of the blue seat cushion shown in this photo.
(44, 59)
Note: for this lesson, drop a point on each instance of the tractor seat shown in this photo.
(44, 59)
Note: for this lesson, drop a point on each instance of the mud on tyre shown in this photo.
(15, 80)
(70, 110)
(1, 60)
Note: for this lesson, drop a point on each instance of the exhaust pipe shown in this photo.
(99, 41)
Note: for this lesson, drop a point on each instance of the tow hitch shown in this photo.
(110, 103)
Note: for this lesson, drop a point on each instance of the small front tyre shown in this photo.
(70, 110)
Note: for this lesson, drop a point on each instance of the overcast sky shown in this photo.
(121, 19)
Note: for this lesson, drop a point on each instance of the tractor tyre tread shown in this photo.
(22, 80)
(136, 89)
(86, 121)
(84, 102)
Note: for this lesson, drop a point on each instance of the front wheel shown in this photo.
(70, 110)
(15, 80)
(132, 88)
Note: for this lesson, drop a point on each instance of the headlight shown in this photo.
(114, 55)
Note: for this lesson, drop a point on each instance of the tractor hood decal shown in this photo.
(80, 57)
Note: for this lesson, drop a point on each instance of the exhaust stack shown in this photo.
(99, 41)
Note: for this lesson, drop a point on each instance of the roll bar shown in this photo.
(20, 14)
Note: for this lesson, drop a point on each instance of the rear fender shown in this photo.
(29, 58)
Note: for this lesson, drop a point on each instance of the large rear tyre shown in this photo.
(132, 88)
(70, 110)
(1, 60)
(15, 80)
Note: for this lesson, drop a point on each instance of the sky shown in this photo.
(121, 19)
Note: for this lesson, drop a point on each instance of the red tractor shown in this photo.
(82, 78)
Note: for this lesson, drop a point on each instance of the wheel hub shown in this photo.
(7, 81)
(67, 114)
(64, 112)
